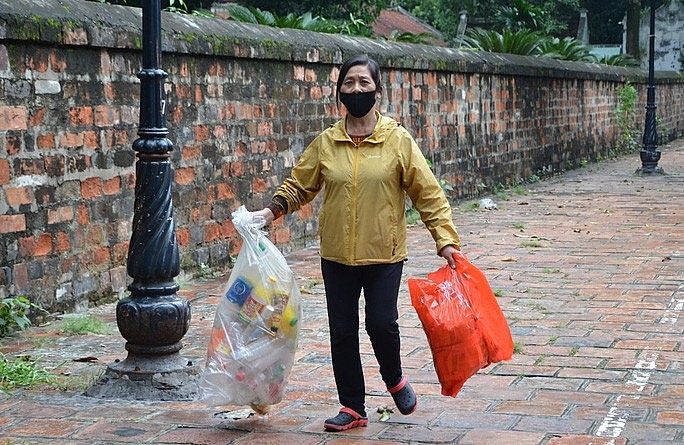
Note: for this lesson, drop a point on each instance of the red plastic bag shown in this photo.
(462, 320)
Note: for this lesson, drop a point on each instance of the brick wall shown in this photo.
(243, 102)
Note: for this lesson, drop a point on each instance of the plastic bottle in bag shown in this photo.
(280, 300)
(254, 304)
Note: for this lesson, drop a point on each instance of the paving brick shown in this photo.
(554, 425)
(467, 420)
(591, 374)
(483, 436)
(44, 428)
(586, 440)
(594, 356)
(574, 398)
(525, 407)
(276, 438)
(121, 431)
(671, 418)
(420, 433)
(199, 436)
(351, 441)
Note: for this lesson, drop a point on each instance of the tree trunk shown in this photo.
(632, 34)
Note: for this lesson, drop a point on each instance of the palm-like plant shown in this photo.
(306, 21)
(409, 37)
(566, 49)
(259, 17)
(251, 15)
(619, 60)
(523, 42)
(519, 14)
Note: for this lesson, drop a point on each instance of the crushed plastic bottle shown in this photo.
(487, 204)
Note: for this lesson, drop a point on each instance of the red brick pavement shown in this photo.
(588, 268)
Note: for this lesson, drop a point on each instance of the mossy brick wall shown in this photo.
(243, 102)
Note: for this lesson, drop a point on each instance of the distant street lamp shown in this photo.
(153, 319)
(650, 155)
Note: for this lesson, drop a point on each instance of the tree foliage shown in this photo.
(186, 6)
(367, 11)
(546, 16)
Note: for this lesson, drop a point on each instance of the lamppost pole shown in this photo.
(650, 155)
(153, 319)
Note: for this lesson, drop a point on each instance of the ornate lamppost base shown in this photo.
(648, 171)
(649, 162)
(161, 378)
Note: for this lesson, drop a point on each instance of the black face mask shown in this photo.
(358, 104)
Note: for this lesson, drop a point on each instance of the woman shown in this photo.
(365, 164)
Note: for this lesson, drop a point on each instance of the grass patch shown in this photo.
(82, 325)
(498, 293)
(534, 305)
(517, 347)
(502, 196)
(472, 207)
(553, 339)
(412, 216)
(573, 351)
(22, 372)
(549, 270)
(519, 190)
(518, 225)
(532, 243)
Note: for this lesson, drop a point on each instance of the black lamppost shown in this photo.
(650, 155)
(153, 319)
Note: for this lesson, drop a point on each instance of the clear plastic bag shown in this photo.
(256, 328)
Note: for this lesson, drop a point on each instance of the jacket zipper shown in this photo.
(352, 231)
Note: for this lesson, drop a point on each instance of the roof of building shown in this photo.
(399, 19)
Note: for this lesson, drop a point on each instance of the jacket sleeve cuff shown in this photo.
(278, 206)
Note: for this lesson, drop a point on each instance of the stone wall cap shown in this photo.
(80, 22)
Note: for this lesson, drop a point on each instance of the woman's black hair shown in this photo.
(361, 59)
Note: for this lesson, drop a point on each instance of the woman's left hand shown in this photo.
(447, 252)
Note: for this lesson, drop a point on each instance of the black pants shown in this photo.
(343, 285)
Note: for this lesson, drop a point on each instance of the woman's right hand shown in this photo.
(264, 215)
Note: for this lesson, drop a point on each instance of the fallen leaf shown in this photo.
(510, 259)
(385, 413)
(88, 359)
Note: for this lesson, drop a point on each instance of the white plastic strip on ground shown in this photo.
(675, 307)
(616, 419)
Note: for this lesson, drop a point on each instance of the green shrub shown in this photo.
(14, 315)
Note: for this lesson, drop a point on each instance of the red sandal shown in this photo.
(346, 419)
(404, 397)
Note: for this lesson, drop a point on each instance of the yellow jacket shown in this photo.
(363, 216)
